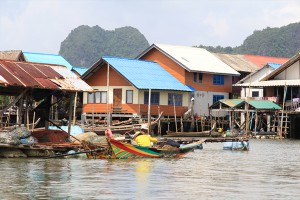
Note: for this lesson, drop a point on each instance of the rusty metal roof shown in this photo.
(37, 75)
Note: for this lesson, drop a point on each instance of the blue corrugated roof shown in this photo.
(274, 65)
(47, 59)
(193, 89)
(146, 74)
(80, 70)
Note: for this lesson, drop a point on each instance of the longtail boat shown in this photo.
(125, 150)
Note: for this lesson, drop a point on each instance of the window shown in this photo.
(200, 76)
(218, 80)
(90, 98)
(129, 96)
(217, 98)
(195, 77)
(103, 96)
(97, 97)
(154, 97)
(255, 93)
(176, 97)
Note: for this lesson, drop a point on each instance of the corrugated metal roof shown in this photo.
(271, 83)
(80, 70)
(237, 62)
(259, 105)
(231, 102)
(274, 65)
(264, 105)
(194, 59)
(145, 74)
(240, 104)
(263, 60)
(226, 103)
(43, 76)
(11, 55)
(47, 59)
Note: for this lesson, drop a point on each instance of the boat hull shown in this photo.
(236, 145)
(123, 150)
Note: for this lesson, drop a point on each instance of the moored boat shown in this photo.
(125, 150)
(242, 145)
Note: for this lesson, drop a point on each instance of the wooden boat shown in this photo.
(242, 145)
(125, 150)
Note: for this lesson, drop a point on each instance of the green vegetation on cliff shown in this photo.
(85, 45)
(277, 42)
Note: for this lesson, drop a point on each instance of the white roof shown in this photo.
(271, 83)
(196, 59)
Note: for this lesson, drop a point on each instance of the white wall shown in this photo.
(138, 96)
(256, 77)
(111, 88)
(247, 94)
(293, 72)
(204, 99)
(164, 96)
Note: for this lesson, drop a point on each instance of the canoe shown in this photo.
(236, 145)
(125, 150)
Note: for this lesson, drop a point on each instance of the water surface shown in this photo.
(270, 170)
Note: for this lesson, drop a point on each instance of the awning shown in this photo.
(271, 83)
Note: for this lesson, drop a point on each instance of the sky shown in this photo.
(41, 25)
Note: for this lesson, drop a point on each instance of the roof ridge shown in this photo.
(43, 53)
(123, 58)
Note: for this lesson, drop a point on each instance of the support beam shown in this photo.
(14, 101)
(70, 114)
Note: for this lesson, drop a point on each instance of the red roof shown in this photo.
(263, 60)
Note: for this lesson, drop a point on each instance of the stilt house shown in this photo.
(196, 67)
(123, 87)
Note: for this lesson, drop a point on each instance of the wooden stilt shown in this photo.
(181, 124)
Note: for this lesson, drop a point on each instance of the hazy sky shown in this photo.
(41, 25)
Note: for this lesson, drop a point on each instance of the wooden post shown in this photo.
(284, 96)
(93, 117)
(268, 123)
(107, 98)
(230, 120)
(255, 125)
(74, 111)
(26, 116)
(149, 112)
(192, 114)
(20, 108)
(168, 124)
(158, 126)
(70, 114)
(211, 119)
(33, 118)
(175, 113)
(247, 117)
(52, 109)
(202, 121)
(181, 124)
